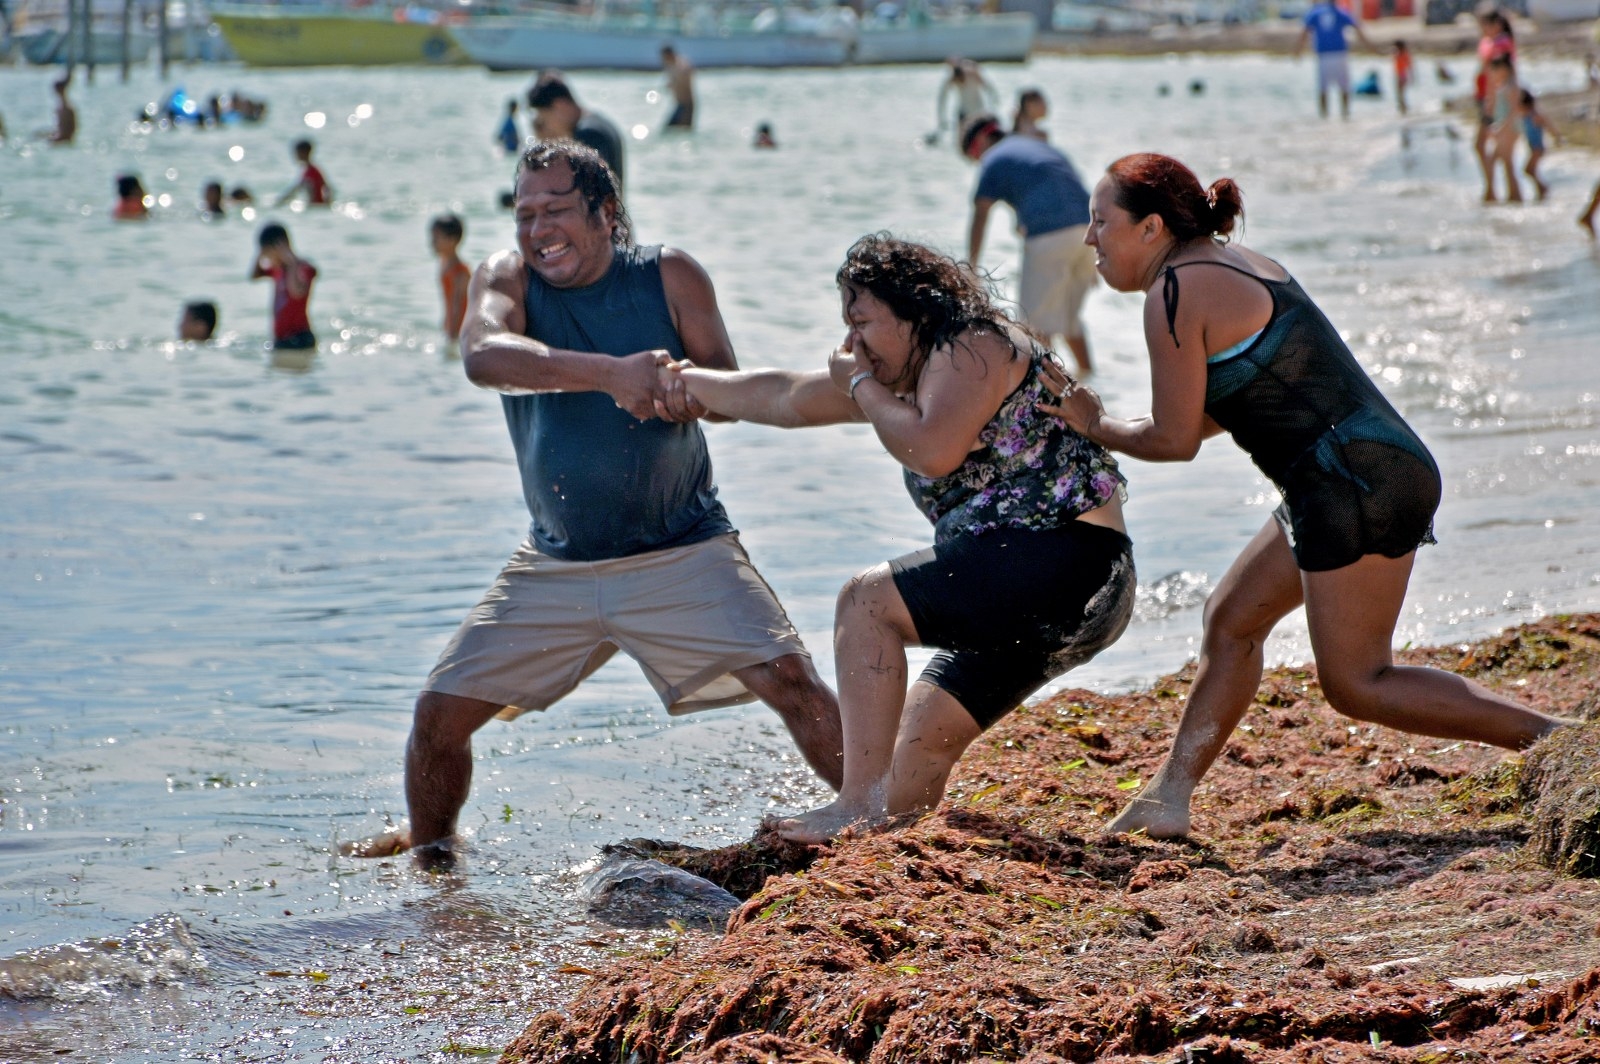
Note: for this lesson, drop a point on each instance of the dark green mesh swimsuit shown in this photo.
(1355, 478)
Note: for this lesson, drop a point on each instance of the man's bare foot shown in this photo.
(825, 824)
(1154, 817)
(391, 843)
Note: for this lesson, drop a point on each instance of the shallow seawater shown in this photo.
(222, 578)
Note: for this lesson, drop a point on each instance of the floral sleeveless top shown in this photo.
(1029, 471)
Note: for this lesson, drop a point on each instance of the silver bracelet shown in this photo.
(855, 380)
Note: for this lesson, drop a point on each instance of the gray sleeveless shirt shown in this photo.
(599, 483)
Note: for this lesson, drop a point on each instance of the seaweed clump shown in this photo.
(1344, 898)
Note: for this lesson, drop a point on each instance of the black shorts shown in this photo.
(1380, 500)
(300, 341)
(1012, 609)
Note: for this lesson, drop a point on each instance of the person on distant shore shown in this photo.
(132, 199)
(212, 205)
(629, 547)
(1495, 41)
(558, 116)
(1031, 110)
(1325, 25)
(66, 127)
(1031, 571)
(680, 82)
(1237, 346)
(1402, 74)
(1052, 208)
(198, 323)
(509, 134)
(292, 278)
(1503, 103)
(312, 184)
(1535, 127)
(973, 93)
(444, 235)
(764, 137)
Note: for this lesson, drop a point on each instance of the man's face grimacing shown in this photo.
(563, 242)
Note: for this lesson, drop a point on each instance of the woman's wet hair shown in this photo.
(929, 291)
(1148, 183)
(591, 176)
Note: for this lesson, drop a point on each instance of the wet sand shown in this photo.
(1351, 894)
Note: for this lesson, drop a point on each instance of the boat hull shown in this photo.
(1004, 38)
(105, 46)
(277, 39)
(512, 44)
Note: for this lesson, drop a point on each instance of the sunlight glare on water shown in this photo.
(224, 576)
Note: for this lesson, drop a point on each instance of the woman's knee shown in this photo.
(1355, 692)
(866, 595)
(1232, 616)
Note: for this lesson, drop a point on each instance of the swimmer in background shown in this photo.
(974, 94)
(1031, 110)
(1534, 127)
(1502, 108)
(292, 278)
(509, 136)
(198, 322)
(764, 137)
(312, 184)
(212, 206)
(131, 202)
(66, 129)
(445, 235)
(1402, 74)
(680, 82)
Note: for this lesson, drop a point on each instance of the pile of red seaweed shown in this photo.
(1351, 894)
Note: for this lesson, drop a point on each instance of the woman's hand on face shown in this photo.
(844, 362)
(1079, 406)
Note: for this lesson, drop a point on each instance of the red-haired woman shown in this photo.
(1236, 346)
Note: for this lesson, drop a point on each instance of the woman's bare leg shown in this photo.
(1351, 613)
(1260, 587)
(934, 732)
(871, 631)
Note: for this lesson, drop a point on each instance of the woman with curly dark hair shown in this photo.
(1031, 570)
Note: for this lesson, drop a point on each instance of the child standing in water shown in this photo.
(1534, 127)
(312, 183)
(292, 277)
(1503, 109)
(1402, 73)
(446, 233)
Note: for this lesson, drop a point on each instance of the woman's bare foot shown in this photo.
(826, 823)
(391, 843)
(1155, 817)
(1587, 221)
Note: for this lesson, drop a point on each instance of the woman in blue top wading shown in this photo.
(1031, 570)
(1236, 346)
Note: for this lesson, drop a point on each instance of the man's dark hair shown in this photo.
(979, 126)
(302, 147)
(593, 179)
(127, 185)
(448, 224)
(204, 312)
(272, 235)
(547, 90)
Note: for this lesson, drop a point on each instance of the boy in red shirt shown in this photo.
(445, 233)
(317, 191)
(292, 277)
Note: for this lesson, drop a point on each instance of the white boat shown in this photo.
(534, 41)
(1006, 38)
(1543, 11)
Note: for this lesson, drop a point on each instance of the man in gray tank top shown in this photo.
(629, 547)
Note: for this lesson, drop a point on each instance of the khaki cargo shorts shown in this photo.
(1057, 273)
(689, 616)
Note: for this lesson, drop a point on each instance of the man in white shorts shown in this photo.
(1052, 208)
(1325, 25)
(629, 548)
